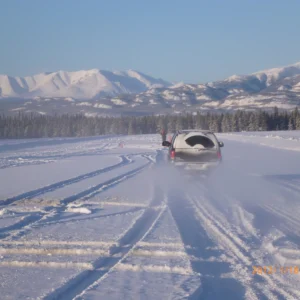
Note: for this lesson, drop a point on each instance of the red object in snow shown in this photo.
(173, 154)
(121, 145)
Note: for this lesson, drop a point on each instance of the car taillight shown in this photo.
(219, 155)
(172, 154)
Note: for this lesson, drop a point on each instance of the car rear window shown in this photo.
(200, 140)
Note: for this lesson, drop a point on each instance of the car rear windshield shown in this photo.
(200, 140)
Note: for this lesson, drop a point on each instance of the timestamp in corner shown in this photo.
(260, 270)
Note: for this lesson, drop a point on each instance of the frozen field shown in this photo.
(88, 219)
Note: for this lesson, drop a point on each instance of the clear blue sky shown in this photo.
(178, 40)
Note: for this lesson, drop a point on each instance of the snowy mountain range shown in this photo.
(96, 92)
(80, 85)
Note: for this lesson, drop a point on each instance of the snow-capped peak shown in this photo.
(235, 78)
(275, 74)
(83, 84)
(177, 85)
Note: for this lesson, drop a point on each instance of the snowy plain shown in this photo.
(85, 218)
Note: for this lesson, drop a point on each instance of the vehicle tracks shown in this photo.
(51, 213)
(199, 246)
(242, 257)
(40, 191)
(103, 266)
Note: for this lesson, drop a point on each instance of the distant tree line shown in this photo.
(36, 126)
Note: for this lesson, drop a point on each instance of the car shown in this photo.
(194, 150)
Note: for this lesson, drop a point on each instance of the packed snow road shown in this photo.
(106, 218)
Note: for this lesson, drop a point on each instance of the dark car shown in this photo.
(194, 149)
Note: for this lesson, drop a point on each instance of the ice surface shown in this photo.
(26, 178)
(88, 219)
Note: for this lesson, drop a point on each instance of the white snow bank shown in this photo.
(77, 208)
(287, 140)
(80, 210)
(2, 211)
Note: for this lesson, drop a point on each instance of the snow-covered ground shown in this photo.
(90, 219)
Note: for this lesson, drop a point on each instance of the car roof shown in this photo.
(194, 130)
(182, 135)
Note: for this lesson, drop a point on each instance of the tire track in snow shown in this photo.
(44, 243)
(152, 269)
(137, 227)
(102, 267)
(30, 160)
(235, 246)
(286, 216)
(288, 226)
(226, 237)
(23, 222)
(201, 248)
(243, 227)
(292, 185)
(237, 256)
(75, 220)
(61, 184)
(45, 264)
(76, 142)
(50, 213)
(274, 285)
(96, 189)
(277, 284)
(53, 251)
(243, 222)
(216, 226)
